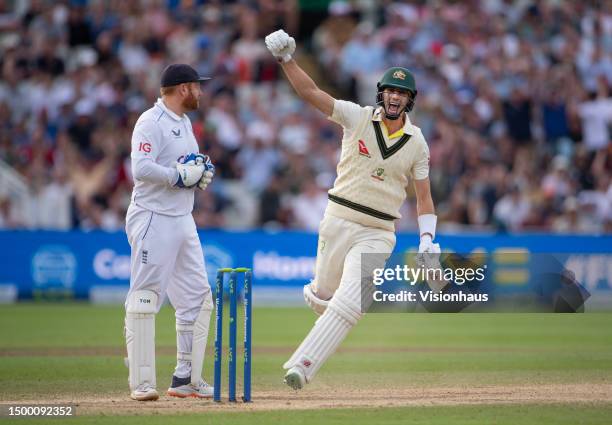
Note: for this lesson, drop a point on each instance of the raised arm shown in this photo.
(307, 89)
(282, 46)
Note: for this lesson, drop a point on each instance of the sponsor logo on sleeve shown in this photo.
(144, 147)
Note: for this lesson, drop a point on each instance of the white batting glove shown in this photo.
(281, 45)
(190, 170)
(429, 257)
(427, 246)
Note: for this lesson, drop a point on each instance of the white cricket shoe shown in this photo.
(295, 378)
(144, 392)
(182, 387)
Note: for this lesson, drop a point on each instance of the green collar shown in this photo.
(385, 151)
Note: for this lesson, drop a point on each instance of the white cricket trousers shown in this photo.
(167, 258)
(341, 243)
(339, 276)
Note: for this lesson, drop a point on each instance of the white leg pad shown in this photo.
(324, 338)
(197, 333)
(315, 303)
(184, 346)
(200, 337)
(140, 337)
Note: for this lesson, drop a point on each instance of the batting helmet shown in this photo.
(399, 78)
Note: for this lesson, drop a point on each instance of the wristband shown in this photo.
(427, 225)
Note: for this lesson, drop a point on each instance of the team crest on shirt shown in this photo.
(363, 150)
(379, 174)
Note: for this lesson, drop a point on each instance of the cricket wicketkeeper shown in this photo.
(167, 258)
(381, 151)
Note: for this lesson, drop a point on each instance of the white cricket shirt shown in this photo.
(374, 171)
(160, 138)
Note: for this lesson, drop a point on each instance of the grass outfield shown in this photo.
(445, 415)
(393, 368)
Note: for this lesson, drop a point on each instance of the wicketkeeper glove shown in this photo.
(208, 174)
(190, 170)
(281, 45)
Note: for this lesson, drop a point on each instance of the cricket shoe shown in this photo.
(144, 392)
(182, 387)
(295, 378)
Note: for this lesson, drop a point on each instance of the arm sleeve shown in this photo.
(145, 150)
(347, 114)
(420, 166)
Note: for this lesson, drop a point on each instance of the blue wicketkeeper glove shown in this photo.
(209, 171)
(190, 170)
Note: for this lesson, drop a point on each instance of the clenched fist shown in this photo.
(281, 45)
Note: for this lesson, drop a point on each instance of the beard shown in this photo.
(191, 102)
(394, 110)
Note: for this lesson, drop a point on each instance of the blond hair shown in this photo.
(164, 91)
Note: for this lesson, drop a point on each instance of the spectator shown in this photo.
(295, 134)
(557, 183)
(517, 115)
(363, 55)
(573, 219)
(554, 116)
(596, 115)
(259, 159)
(79, 30)
(48, 61)
(309, 206)
(224, 123)
(496, 81)
(56, 202)
(512, 210)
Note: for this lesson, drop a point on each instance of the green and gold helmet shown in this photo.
(399, 78)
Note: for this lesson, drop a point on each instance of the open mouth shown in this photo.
(394, 107)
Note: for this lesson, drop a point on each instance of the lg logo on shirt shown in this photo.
(144, 147)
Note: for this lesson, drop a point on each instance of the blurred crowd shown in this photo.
(515, 101)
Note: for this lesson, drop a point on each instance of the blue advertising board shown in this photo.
(71, 263)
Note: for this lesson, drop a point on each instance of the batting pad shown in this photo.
(140, 337)
(184, 340)
(325, 337)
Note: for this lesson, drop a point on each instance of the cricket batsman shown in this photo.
(381, 151)
(166, 254)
